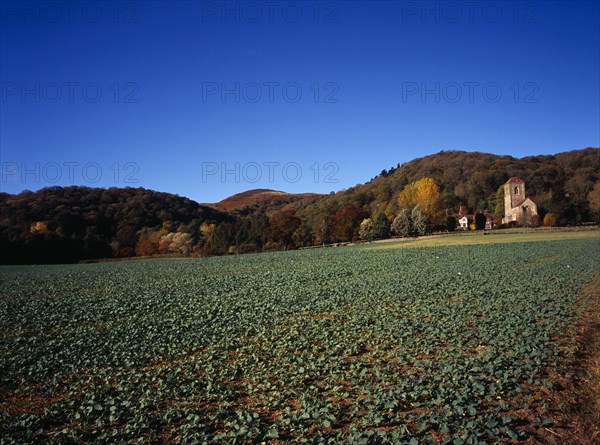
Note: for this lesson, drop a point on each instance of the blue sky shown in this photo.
(207, 99)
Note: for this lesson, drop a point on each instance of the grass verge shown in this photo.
(493, 238)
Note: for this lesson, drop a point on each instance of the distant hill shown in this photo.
(264, 200)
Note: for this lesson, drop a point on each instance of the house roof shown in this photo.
(511, 180)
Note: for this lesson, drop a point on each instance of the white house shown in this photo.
(463, 223)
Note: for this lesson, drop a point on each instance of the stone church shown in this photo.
(517, 207)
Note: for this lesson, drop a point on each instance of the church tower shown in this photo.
(514, 193)
(518, 207)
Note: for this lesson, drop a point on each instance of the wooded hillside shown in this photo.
(68, 224)
(63, 224)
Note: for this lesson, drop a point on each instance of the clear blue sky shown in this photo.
(207, 99)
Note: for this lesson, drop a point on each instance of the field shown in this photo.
(364, 344)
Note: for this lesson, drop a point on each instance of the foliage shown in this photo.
(497, 203)
(302, 236)
(451, 223)
(264, 201)
(38, 227)
(480, 221)
(410, 223)
(402, 224)
(67, 224)
(146, 247)
(534, 220)
(178, 242)
(282, 225)
(550, 220)
(594, 201)
(366, 229)
(352, 345)
(424, 193)
(381, 226)
(347, 222)
(559, 183)
(419, 221)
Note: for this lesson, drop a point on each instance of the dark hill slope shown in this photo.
(84, 222)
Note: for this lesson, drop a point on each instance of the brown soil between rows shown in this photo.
(574, 403)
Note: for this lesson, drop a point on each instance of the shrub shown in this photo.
(451, 223)
(366, 229)
(480, 221)
(550, 220)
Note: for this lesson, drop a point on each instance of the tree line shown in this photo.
(66, 224)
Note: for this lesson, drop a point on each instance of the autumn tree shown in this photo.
(550, 220)
(258, 226)
(176, 242)
(426, 194)
(366, 230)
(206, 231)
(410, 223)
(283, 224)
(347, 222)
(407, 198)
(38, 227)
(321, 230)
(220, 239)
(146, 247)
(148, 242)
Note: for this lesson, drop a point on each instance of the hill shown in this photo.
(559, 183)
(264, 200)
(63, 224)
(68, 224)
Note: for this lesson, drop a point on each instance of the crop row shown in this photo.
(348, 345)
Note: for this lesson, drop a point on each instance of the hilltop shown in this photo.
(259, 199)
